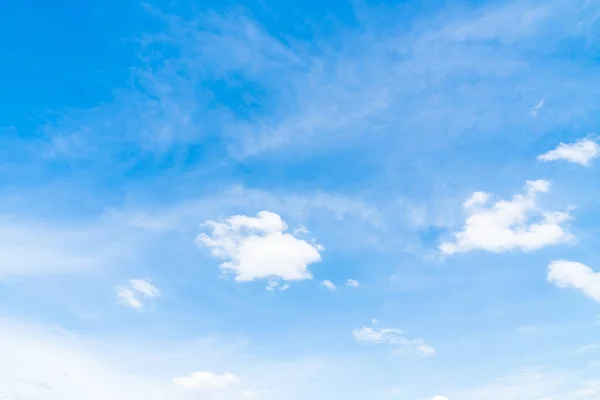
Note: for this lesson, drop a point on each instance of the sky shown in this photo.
(219, 200)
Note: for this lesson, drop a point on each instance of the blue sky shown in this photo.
(288, 200)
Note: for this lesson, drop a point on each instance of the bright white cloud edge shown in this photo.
(260, 248)
(582, 152)
(575, 275)
(516, 224)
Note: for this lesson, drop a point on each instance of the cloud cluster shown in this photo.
(331, 286)
(516, 224)
(391, 337)
(259, 247)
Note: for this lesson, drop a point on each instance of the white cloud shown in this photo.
(426, 350)
(129, 295)
(391, 337)
(300, 230)
(206, 381)
(581, 152)
(535, 109)
(516, 224)
(273, 285)
(328, 284)
(145, 287)
(259, 248)
(476, 199)
(570, 274)
(352, 283)
(440, 398)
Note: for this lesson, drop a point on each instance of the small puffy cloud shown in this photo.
(570, 274)
(352, 283)
(130, 295)
(250, 394)
(144, 287)
(259, 248)
(516, 224)
(391, 337)
(329, 285)
(440, 398)
(206, 381)
(581, 152)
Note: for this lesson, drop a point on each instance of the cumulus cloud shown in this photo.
(259, 248)
(204, 380)
(352, 283)
(570, 274)
(329, 285)
(516, 224)
(581, 152)
(391, 337)
(440, 398)
(137, 287)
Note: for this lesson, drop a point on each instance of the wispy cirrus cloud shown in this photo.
(314, 96)
(391, 337)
